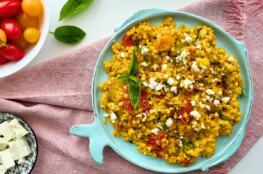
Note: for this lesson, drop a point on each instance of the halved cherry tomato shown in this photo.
(9, 8)
(127, 105)
(127, 41)
(11, 28)
(11, 52)
(155, 141)
(2, 60)
(32, 8)
(27, 21)
(144, 102)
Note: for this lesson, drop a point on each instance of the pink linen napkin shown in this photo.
(55, 95)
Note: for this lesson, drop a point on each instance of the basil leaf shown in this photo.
(73, 7)
(135, 80)
(69, 34)
(134, 64)
(134, 93)
(123, 78)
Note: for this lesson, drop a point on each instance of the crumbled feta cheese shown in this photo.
(173, 89)
(145, 84)
(208, 98)
(6, 159)
(167, 57)
(210, 92)
(182, 56)
(113, 117)
(187, 38)
(231, 59)
(159, 125)
(201, 105)
(193, 103)
(225, 99)
(159, 87)
(169, 122)
(6, 131)
(216, 102)
(122, 54)
(198, 46)
(144, 64)
(195, 114)
(208, 107)
(152, 83)
(144, 50)
(195, 67)
(155, 131)
(155, 67)
(178, 77)
(187, 84)
(170, 81)
(18, 129)
(164, 66)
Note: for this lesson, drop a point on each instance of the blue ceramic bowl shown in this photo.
(100, 135)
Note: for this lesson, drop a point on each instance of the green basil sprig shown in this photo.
(134, 83)
(73, 7)
(69, 34)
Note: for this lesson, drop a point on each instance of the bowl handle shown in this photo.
(97, 138)
(138, 16)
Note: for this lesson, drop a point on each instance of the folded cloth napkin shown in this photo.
(55, 95)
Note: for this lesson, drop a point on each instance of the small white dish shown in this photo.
(15, 66)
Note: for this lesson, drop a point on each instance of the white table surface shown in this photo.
(100, 20)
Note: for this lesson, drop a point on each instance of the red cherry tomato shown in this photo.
(11, 52)
(3, 60)
(11, 28)
(9, 8)
(127, 41)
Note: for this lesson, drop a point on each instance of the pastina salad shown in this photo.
(171, 91)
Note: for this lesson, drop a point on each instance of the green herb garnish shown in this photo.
(73, 7)
(69, 34)
(134, 83)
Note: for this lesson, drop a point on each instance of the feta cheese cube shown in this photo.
(22, 161)
(3, 143)
(6, 159)
(2, 169)
(187, 84)
(19, 130)
(6, 131)
(193, 103)
(195, 67)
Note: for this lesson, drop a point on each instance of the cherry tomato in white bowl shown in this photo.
(11, 28)
(9, 8)
(14, 66)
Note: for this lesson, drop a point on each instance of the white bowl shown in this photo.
(14, 66)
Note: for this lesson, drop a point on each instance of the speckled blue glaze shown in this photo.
(100, 135)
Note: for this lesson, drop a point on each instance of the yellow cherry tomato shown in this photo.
(3, 38)
(27, 21)
(31, 35)
(32, 8)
